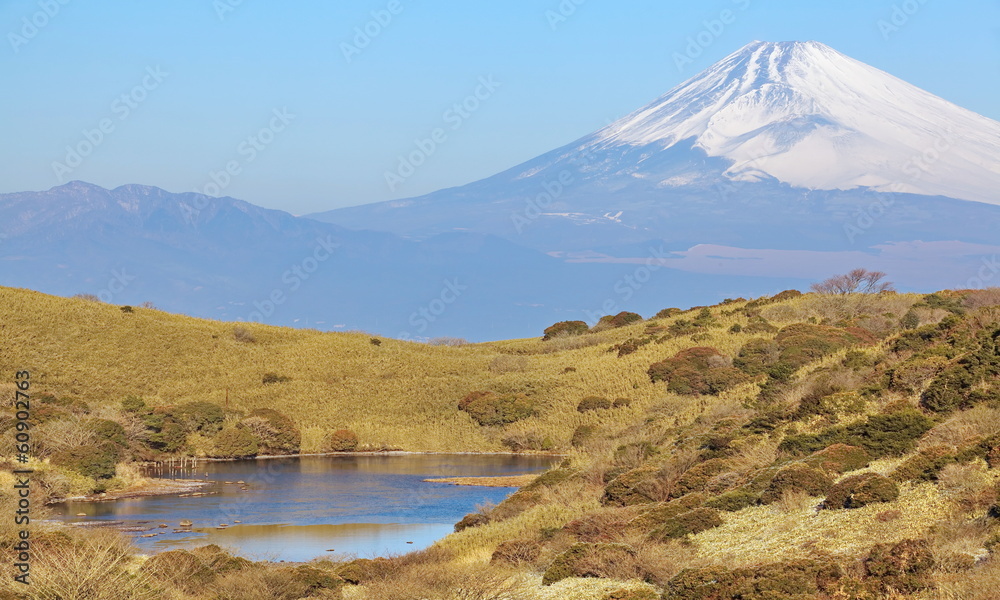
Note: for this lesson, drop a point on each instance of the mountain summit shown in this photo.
(807, 115)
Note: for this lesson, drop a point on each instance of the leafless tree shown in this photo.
(858, 281)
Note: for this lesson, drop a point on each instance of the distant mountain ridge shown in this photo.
(780, 165)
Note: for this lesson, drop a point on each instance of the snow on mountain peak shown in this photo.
(809, 116)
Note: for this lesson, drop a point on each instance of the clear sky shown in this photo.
(168, 92)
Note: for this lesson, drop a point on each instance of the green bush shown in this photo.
(796, 477)
(134, 404)
(235, 442)
(622, 402)
(108, 431)
(199, 416)
(689, 523)
(565, 329)
(615, 321)
(270, 378)
(757, 356)
(861, 490)
(92, 460)
(950, 390)
(471, 520)
(633, 594)
(168, 436)
(802, 579)
(637, 486)
(593, 403)
(491, 409)
(904, 567)
(890, 434)
(582, 435)
(839, 458)
(593, 560)
(342, 440)
(734, 500)
(666, 313)
(276, 433)
(528, 441)
(697, 477)
(696, 370)
(925, 465)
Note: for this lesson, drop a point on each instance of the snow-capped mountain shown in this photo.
(808, 116)
(773, 133)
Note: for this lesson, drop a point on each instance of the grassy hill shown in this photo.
(785, 448)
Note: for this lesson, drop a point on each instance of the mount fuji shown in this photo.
(780, 146)
(782, 164)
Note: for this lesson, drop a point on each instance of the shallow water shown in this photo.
(297, 509)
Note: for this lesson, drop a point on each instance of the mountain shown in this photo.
(778, 152)
(226, 259)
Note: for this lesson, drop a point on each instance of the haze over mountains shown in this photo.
(780, 165)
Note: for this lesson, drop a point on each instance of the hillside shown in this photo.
(783, 448)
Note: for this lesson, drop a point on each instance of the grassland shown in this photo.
(704, 465)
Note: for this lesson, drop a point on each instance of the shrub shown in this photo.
(565, 329)
(904, 567)
(134, 404)
(593, 403)
(861, 490)
(363, 570)
(168, 436)
(633, 594)
(689, 523)
(949, 391)
(266, 583)
(802, 343)
(235, 442)
(515, 552)
(582, 435)
(839, 458)
(342, 440)
(616, 561)
(736, 328)
(925, 465)
(622, 402)
(180, 569)
(524, 442)
(242, 334)
(733, 501)
(791, 580)
(796, 477)
(92, 460)
(490, 409)
(756, 356)
(890, 434)
(666, 313)
(858, 281)
(276, 433)
(697, 477)
(375, 341)
(697, 370)
(205, 417)
(270, 378)
(638, 486)
(316, 579)
(470, 520)
(108, 431)
(615, 321)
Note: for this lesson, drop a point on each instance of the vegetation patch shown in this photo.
(861, 490)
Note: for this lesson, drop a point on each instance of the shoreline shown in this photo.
(197, 459)
(154, 486)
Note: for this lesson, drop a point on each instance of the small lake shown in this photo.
(297, 509)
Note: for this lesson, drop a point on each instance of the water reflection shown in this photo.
(298, 508)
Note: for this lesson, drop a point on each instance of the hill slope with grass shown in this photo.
(793, 447)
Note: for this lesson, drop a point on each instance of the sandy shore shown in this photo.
(503, 481)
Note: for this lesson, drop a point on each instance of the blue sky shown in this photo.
(172, 93)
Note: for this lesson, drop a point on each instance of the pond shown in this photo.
(301, 508)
